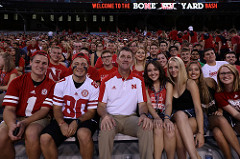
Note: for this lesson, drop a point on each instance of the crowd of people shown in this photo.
(165, 88)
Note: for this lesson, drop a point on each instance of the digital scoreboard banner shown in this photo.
(122, 1)
(131, 5)
(155, 6)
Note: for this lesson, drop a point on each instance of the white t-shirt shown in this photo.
(211, 71)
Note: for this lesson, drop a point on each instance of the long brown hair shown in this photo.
(9, 63)
(205, 95)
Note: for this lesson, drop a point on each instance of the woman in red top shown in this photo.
(8, 73)
(157, 92)
(140, 60)
(18, 60)
(228, 92)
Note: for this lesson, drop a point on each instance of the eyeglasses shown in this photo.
(226, 73)
(104, 57)
(173, 50)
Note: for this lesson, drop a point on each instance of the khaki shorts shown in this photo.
(43, 122)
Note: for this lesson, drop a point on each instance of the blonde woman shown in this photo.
(7, 73)
(187, 111)
(140, 60)
(222, 130)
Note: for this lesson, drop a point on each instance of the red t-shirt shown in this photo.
(185, 37)
(173, 35)
(194, 38)
(92, 73)
(236, 40)
(208, 42)
(228, 98)
(238, 68)
(56, 72)
(32, 49)
(158, 99)
(140, 73)
(21, 63)
(103, 72)
(224, 45)
(4, 77)
(99, 63)
(28, 98)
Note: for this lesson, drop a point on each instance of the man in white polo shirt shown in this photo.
(120, 94)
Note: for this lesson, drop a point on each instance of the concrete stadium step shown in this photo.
(125, 147)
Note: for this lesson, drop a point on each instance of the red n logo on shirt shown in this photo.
(54, 73)
(134, 86)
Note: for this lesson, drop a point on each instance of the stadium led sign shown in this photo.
(155, 6)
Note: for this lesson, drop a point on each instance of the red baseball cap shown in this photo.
(41, 52)
(81, 55)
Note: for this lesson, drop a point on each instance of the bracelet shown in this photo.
(167, 117)
(61, 123)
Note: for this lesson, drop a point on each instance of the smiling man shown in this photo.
(74, 106)
(120, 95)
(108, 67)
(27, 103)
(56, 70)
(211, 67)
(185, 55)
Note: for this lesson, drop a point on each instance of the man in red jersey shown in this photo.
(27, 103)
(56, 70)
(107, 64)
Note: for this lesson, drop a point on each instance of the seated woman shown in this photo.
(95, 55)
(228, 93)
(18, 60)
(163, 60)
(157, 90)
(8, 73)
(140, 60)
(187, 111)
(222, 130)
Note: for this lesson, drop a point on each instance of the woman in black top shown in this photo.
(222, 130)
(187, 111)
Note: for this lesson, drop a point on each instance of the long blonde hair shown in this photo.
(236, 81)
(144, 63)
(182, 74)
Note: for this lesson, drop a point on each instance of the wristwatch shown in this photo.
(78, 121)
